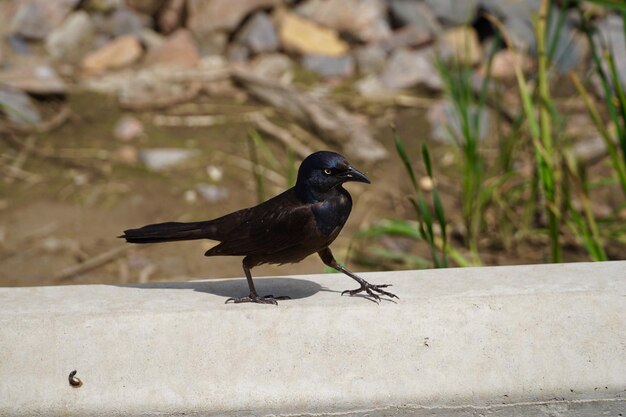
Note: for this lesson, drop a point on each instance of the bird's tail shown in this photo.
(170, 232)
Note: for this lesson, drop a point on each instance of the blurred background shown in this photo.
(494, 131)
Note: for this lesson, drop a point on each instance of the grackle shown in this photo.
(301, 221)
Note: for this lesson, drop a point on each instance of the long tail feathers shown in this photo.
(170, 232)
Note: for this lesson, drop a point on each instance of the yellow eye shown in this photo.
(327, 171)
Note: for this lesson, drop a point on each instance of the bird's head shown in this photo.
(324, 170)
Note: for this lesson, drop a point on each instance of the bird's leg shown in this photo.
(254, 297)
(372, 290)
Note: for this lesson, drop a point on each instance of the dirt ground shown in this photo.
(64, 216)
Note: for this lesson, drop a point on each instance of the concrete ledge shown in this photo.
(539, 340)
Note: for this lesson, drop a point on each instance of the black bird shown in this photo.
(302, 220)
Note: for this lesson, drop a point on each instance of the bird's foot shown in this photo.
(253, 298)
(373, 291)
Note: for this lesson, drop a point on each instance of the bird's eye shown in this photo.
(327, 171)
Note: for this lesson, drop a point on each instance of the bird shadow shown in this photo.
(295, 288)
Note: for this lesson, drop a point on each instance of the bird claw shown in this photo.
(372, 291)
(253, 298)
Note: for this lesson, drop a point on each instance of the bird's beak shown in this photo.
(353, 174)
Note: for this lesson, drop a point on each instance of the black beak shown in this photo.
(353, 174)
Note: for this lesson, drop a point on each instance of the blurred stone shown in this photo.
(372, 87)
(151, 39)
(205, 16)
(408, 36)
(128, 128)
(17, 106)
(118, 53)
(426, 183)
(370, 58)
(34, 77)
(102, 6)
(149, 7)
(212, 193)
(19, 45)
(215, 172)
(503, 64)
(329, 66)
(237, 52)
(414, 13)
(612, 33)
(460, 44)
(35, 19)
(300, 35)
(159, 159)
(178, 50)
(170, 16)
(517, 19)
(365, 20)
(456, 12)
(73, 38)
(407, 68)
(273, 67)
(122, 21)
(259, 34)
(446, 125)
(127, 154)
(213, 43)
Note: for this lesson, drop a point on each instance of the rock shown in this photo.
(19, 45)
(128, 128)
(259, 34)
(151, 39)
(149, 7)
(212, 193)
(370, 58)
(612, 32)
(35, 19)
(372, 87)
(406, 37)
(178, 50)
(160, 159)
(102, 6)
(18, 107)
(407, 68)
(206, 16)
(213, 43)
(73, 38)
(460, 44)
(446, 124)
(300, 35)
(273, 67)
(503, 64)
(118, 53)
(127, 154)
(456, 12)
(517, 19)
(34, 77)
(329, 66)
(414, 13)
(365, 20)
(170, 16)
(237, 52)
(122, 21)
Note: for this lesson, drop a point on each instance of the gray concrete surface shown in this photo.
(544, 340)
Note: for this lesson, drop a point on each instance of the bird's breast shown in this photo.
(331, 214)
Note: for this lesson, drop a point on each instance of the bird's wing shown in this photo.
(264, 232)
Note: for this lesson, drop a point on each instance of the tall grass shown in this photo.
(556, 199)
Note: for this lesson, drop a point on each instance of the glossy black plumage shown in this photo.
(301, 221)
